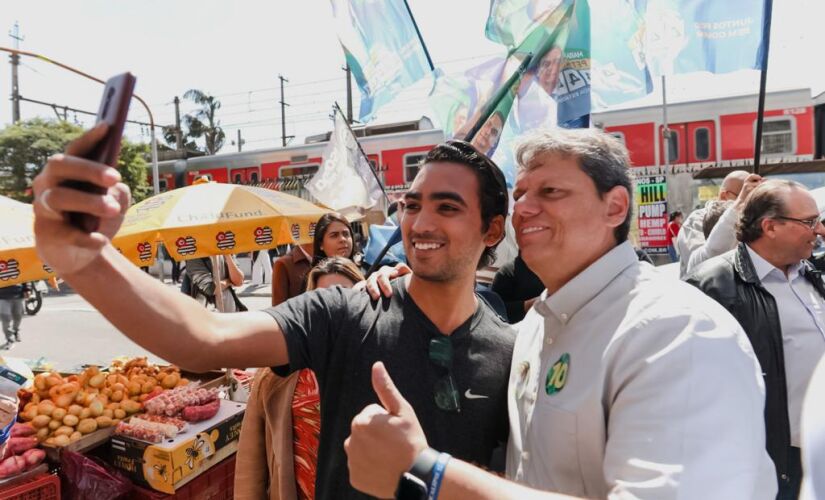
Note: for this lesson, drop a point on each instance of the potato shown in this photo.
(55, 424)
(106, 391)
(53, 379)
(29, 405)
(70, 420)
(87, 425)
(170, 381)
(50, 441)
(97, 381)
(90, 398)
(131, 406)
(41, 421)
(85, 413)
(59, 413)
(133, 388)
(64, 430)
(147, 386)
(109, 412)
(62, 440)
(117, 396)
(112, 406)
(183, 381)
(75, 410)
(45, 407)
(29, 414)
(120, 413)
(118, 387)
(81, 397)
(40, 381)
(65, 400)
(43, 434)
(103, 422)
(111, 380)
(36, 398)
(75, 436)
(96, 408)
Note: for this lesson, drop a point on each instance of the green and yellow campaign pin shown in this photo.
(557, 375)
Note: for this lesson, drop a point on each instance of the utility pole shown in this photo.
(284, 137)
(178, 131)
(665, 129)
(349, 93)
(15, 62)
(240, 141)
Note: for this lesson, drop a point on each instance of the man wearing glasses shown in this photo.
(625, 383)
(448, 352)
(779, 299)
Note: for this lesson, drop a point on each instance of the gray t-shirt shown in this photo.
(341, 333)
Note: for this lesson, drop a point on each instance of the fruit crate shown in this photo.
(215, 484)
(44, 487)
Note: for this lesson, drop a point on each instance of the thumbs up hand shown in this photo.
(385, 439)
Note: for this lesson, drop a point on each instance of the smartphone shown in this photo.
(114, 106)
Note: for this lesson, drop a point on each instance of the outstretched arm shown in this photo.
(156, 317)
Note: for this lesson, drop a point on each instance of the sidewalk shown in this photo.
(250, 290)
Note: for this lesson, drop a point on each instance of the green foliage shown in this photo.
(203, 122)
(26, 146)
(132, 165)
(24, 149)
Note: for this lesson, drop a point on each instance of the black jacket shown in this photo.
(731, 280)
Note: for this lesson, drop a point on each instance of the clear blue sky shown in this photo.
(236, 50)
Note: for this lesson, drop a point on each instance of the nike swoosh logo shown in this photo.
(470, 395)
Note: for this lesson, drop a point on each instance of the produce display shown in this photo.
(21, 453)
(61, 410)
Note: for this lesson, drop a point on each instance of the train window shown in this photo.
(777, 137)
(253, 177)
(701, 143)
(237, 178)
(412, 162)
(673, 145)
(296, 171)
(163, 185)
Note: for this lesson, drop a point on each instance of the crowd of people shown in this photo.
(612, 380)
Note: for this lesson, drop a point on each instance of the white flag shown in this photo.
(345, 179)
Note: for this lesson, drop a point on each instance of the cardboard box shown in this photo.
(171, 464)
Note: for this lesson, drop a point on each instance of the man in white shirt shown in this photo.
(779, 299)
(692, 245)
(624, 383)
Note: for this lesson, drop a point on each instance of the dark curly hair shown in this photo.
(492, 188)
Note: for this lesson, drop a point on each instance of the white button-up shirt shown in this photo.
(626, 383)
(802, 320)
(692, 246)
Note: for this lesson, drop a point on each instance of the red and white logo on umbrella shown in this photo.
(312, 229)
(226, 240)
(263, 235)
(47, 268)
(185, 245)
(144, 250)
(296, 231)
(9, 269)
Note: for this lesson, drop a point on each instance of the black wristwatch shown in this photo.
(413, 484)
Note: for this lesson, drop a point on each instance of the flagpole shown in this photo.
(420, 38)
(763, 81)
(377, 179)
(499, 95)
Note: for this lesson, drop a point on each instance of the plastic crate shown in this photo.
(45, 487)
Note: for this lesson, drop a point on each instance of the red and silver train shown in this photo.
(707, 138)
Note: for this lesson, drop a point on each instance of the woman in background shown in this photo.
(284, 414)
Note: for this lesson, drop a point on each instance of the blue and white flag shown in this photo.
(636, 42)
(381, 47)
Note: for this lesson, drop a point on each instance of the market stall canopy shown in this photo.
(215, 218)
(19, 262)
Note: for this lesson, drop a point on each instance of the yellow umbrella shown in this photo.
(19, 262)
(216, 218)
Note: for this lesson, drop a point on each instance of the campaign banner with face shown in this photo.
(382, 48)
